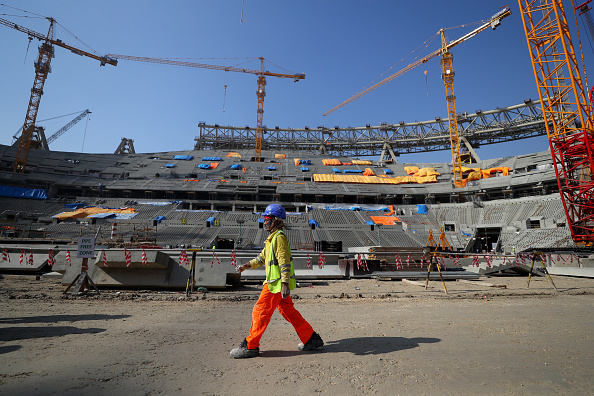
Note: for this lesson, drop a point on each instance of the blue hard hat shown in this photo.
(275, 210)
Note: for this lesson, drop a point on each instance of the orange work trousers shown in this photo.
(263, 310)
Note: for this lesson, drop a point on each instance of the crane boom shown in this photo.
(164, 61)
(66, 127)
(260, 92)
(50, 40)
(493, 22)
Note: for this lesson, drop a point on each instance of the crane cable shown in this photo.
(85, 135)
(18, 9)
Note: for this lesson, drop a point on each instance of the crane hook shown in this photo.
(224, 98)
(27, 52)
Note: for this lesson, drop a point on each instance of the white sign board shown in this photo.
(86, 247)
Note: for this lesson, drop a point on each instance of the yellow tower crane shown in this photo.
(448, 79)
(260, 92)
(28, 137)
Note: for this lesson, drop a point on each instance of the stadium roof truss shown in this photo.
(483, 127)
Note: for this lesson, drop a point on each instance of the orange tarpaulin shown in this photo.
(280, 156)
(409, 179)
(423, 172)
(213, 165)
(331, 162)
(233, 155)
(476, 175)
(487, 172)
(332, 178)
(297, 161)
(368, 172)
(411, 170)
(385, 220)
(391, 212)
(426, 179)
(86, 212)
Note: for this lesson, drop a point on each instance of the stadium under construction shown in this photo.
(148, 211)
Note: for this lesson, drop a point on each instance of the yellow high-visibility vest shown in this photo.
(274, 270)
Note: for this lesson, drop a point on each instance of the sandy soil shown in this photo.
(382, 337)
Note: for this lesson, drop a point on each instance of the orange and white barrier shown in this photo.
(234, 258)
(183, 258)
(321, 260)
(50, 259)
(399, 265)
(104, 257)
(128, 257)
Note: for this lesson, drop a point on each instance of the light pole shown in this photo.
(379, 240)
(240, 222)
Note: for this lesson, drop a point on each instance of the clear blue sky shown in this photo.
(341, 46)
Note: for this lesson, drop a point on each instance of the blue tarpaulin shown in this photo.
(389, 172)
(211, 220)
(370, 222)
(336, 170)
(236, 166)
(422, 209)
(203, 166)
(355, 208)
(21, 192)
(353, 171)
(305, 162)
(102, 215)
(77, 205)
(465, 234)
(160, 218)
(212, 159)
(312, 221)
(169, 165)
(183, 157)
(304, 169)
(157, 203)
(271, 168)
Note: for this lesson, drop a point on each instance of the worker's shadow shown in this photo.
(361, 346)
(376, 345)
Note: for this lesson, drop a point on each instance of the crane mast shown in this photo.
(567, 117)
(42, 69)
(447, 74)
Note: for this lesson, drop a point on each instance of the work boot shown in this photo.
(315, 341)
(242, 351)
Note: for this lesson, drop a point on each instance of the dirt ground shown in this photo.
(382, 337)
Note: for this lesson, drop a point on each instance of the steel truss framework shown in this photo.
(570, 129)
(388, 140)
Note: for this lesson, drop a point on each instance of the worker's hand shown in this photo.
(243, 267)
(285, 291)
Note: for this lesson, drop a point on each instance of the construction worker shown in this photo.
(280, 280)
